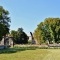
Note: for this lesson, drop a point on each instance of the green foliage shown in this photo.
(14, 34)
(4, 22)
(20, 37)
(38, 34)
(49, 30)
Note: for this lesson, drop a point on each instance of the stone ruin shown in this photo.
(32, 38)
(6, 42)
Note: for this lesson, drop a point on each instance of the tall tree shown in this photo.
(20, 37)
(4, 22)
(53, 27)
(38, 34)
(50, 30)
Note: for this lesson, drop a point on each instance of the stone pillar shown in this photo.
(32, 38)
(11, 41)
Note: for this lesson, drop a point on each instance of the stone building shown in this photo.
(6, 42)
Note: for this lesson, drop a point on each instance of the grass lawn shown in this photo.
(30, 54)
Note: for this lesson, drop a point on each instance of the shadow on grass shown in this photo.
(16, 49)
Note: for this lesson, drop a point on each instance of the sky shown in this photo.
(29, 13)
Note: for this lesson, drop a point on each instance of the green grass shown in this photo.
(29, 54)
